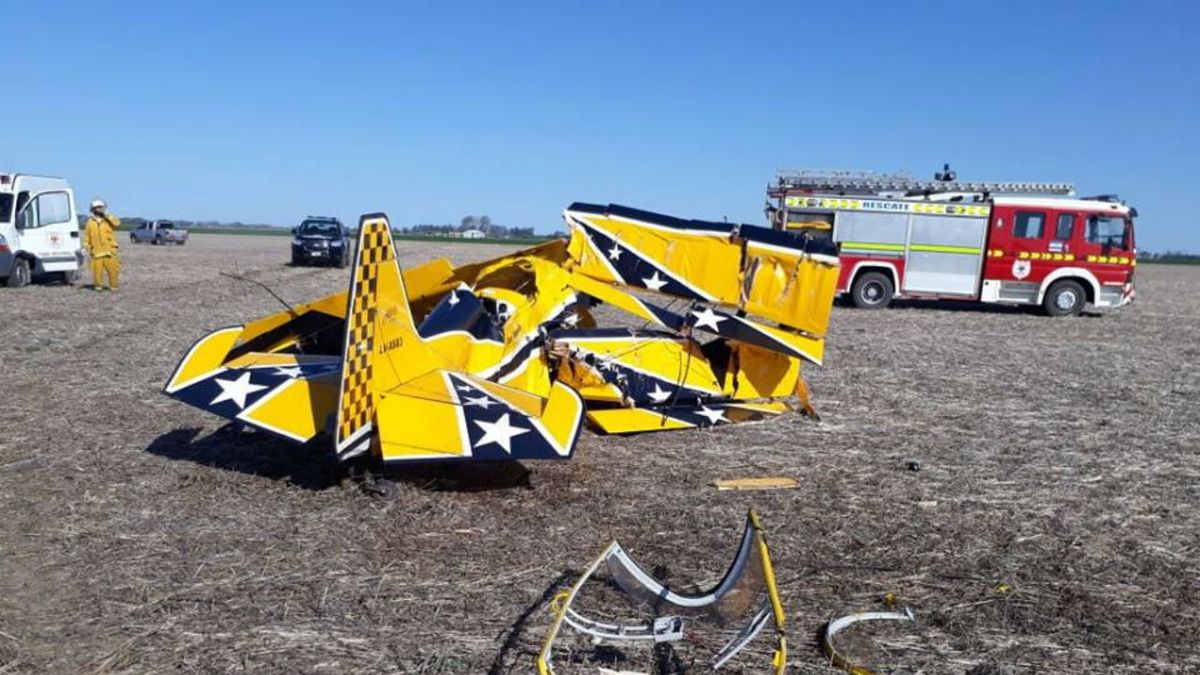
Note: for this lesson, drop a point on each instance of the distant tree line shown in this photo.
(1169, 257)
(134, 222)
(483, 224)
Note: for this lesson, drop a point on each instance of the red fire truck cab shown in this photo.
(1013, 243)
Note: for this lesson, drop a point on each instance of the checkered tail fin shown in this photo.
(377, 313)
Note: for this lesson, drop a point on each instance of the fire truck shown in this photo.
(993, 242)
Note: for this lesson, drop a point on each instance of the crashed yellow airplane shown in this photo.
(503, 359)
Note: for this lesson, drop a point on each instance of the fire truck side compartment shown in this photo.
(945, 254)
(866, 230)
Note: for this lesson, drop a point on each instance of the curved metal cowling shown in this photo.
(837, 625)
(747, 586)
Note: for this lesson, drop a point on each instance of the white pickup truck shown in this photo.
(158, 232)
(39, 233)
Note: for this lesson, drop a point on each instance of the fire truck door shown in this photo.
(1104, 246)
(945, 254)
(1064, 234)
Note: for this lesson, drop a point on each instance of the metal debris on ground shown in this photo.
(746, 597)
(837, 625)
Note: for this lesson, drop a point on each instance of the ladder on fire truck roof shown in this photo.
(871, 183)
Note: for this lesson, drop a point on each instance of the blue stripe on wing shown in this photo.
(497, 430)
(633, 269)
(227, 393)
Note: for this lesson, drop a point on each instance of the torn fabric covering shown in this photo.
(746, 598)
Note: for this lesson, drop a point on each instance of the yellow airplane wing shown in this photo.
(780, 276)
(667, 418)
(704, 318)
(289, 395)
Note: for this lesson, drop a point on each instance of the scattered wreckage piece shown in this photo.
(837, 625)
(762, 483)
(748, 588)
(503, 359)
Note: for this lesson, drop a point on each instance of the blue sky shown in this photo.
(263, 112)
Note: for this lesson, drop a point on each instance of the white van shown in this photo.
(39, 232)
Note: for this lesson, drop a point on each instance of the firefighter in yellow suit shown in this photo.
(100, 240)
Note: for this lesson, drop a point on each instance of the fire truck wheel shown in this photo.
(872, 290)
(1064, 298)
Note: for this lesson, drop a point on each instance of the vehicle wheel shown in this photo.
(344, 261)
(132, 239)
(181, 242)
(69, 278)
(872, 290)
(157, 241)
(1064, 298)
(19, 275)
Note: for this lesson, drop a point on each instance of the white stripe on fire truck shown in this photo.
(899, 248)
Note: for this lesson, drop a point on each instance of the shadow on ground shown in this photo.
(455, 476)
(509, 648)
(312, 467)
(257, 454)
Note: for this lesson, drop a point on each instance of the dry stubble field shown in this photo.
(1057, 457)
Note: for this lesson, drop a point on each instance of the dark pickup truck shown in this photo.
(320, 240)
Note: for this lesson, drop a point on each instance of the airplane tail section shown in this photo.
(378, 319)
(398, 400)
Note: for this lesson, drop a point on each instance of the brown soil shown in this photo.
(1057, 458)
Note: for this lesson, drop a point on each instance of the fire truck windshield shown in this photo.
(1107, 231)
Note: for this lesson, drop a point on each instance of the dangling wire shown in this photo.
(682, 377)
(264, 287)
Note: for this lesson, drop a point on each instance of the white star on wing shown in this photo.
(571, 319)
(290, 371)
(453, 298)
(466, 389)
(481, 401)
(654, 282)
(500, 432)
(236, 390)
(713, 416)
(658, 395)
(614, 253)
(708, 319)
